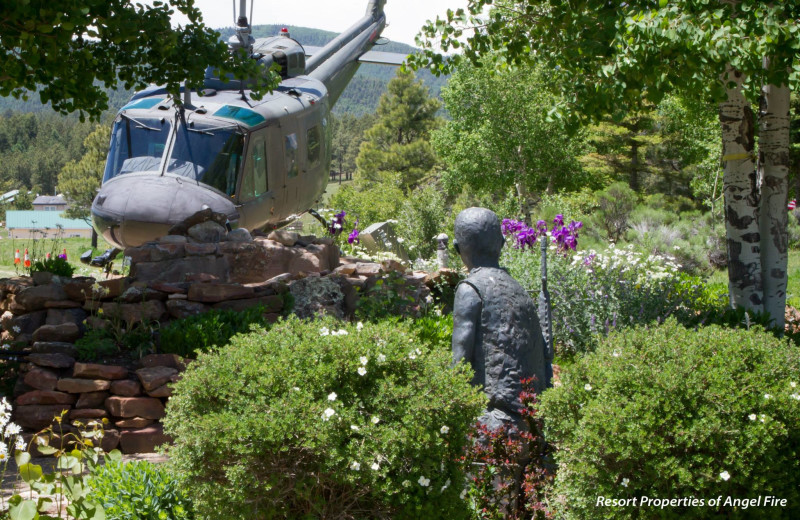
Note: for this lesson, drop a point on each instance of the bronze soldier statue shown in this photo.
(495, 326)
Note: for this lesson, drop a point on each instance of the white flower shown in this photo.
(625, 482)
(354, 427)
(363, 360)
(359, 326)
(412, 356)
(5, 346)
(446, 485)
(332, 396)
(296, 388)
(763, 417)
(41, 441)
(418, 351)
(355, 466)
(381, 358)
(767, 396)
(587, 387)
(3, 450)
(337, 226)
(724, 475)
(328, 413)
(429, 299)
(16, 329)
(444, 430)
(793, 384)
(796, 397)
(375, 419)
(375, 466)
(424, 482)
(400, 240)
(324, 331)
(752, 417)
(463, 494)
(362, 371)
(12, 430)
(340, 332)
(19, 444)
(615, 353)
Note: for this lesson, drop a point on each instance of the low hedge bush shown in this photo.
(138, 490)
(324, 420)
(669, 412)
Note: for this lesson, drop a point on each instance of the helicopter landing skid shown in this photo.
(317, 216)
(102, 260)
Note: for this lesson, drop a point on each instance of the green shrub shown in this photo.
(138, 490)
(199, 333)
(594, 293)
(422, 218)
(56, 265)
(615, 204)
(670, 412)
(323, 420)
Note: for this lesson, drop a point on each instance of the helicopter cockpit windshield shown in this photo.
(208, 153)
(137, 145)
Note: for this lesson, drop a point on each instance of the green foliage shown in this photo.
(117, 337)
(188, 336)
(79, 181)
(668, 412)
(56, 265)
(615, 204)
(139, 490)
(500, 138)
(422, 217)
(322, 419)
(594, 293)
(96, 344)
(398, 141)
(69, 53)
(66, 487)
(370, 204)
(389, 295)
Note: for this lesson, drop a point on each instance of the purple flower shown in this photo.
(559, 220)
(353, 236)
(541, 228)
(337, 223)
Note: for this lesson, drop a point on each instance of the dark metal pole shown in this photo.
(546, 317)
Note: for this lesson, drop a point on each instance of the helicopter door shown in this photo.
(256, 193)
(292, 157)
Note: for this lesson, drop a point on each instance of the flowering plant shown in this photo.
(325, 419)
(565, 237)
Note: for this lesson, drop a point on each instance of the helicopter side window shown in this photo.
(314, 147)
(210, 155)
(255, 176)
(136, 145)
(291, 155)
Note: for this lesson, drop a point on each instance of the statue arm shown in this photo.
(466, 318)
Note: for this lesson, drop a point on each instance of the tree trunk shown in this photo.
(773, 176)
(741, 197)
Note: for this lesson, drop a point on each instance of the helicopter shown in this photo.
(261, 163)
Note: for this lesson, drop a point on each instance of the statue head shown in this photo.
(478, 238)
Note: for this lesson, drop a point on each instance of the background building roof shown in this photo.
(49, 199)
(44, 220)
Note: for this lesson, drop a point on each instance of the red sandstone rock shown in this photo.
(273, 303)
(37, 417)
(55, 347)
(51, 360)
(163, 360)
(217, 292)
(134, 422)
(110, 440)
(87, 413)
(41, 378)
(161, 391)
(66, 332)
(126, 388)
(147, 407)
(35, 298)
(44, 397)
(95, 371)
(113, 288)
(144, 440)
(92, 400)
(153, 377)
(63, 304)
(80, 386)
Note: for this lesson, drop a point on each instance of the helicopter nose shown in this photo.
(135, 208)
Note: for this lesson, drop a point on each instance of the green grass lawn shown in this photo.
(720, 279)
(40, 247)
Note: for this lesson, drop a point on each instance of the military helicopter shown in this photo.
(260, 163)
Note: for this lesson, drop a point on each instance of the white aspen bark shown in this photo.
(773, 176)
(741, 197)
